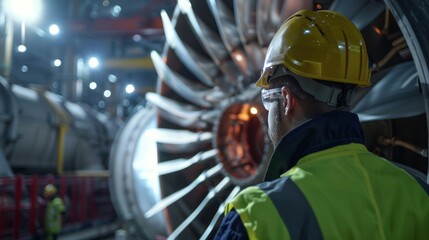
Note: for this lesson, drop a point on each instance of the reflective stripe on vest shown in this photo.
(345, 192)
(267, 214)
(294, 210)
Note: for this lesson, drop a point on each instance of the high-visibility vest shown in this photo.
(53, 215)
(344, 192)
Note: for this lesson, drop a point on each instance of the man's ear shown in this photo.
(289, 100)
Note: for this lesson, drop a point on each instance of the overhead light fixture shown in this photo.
(107, 93)
(93, 62)
(129, 88)
(24, 10)
(93, 85)
(137, 37)
(24, 68)
(116, 10)
(54, 29)
(57, 62)
(22, 48)
(112, 78)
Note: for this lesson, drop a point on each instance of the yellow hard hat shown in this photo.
(49, 190)
(321, 45)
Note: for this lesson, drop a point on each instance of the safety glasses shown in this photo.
(269, 96)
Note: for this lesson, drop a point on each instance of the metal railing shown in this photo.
(87, 201)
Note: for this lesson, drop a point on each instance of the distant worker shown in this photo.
(322, 182)
(53, 214)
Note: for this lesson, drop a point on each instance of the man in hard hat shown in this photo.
(53, 213)
(322, 182)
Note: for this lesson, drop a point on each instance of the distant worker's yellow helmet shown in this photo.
(49, 190)
(320, 45)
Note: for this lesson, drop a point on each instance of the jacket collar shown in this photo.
(322, 132)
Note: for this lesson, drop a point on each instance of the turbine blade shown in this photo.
(214, 46)
(363, 12)
(181, 114)
(180, 164)
(182, 192)
(219, 213)
(179, 141)
(189, 90)
(210, 195)
(396, 95)
(245, 16)
(271, 15)
(197, 64)
(228, 31)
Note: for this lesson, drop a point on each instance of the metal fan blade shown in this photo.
(167, 201)
(396, 95)
(179, 141)
(210, 195)
(363, 12)
(219, 213)
(272, 13)
(228, 31)
(246, 26)
(251, 92)
(179, 113)
(191, 91)
(198, 65)
(180, 164)
(215, 48)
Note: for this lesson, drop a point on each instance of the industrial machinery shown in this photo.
(46, 139)
(204, 137)
(43, 133)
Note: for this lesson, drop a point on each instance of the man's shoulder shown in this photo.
(262, 191)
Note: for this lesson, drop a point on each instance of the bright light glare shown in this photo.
(112, 78)
(29, 10)
(116, 10)
(54, 29)
(107, 93)
(22, 48)
(93, 62)
(137, 37)
(129, 88)
(57, 62)
(253, 110)
(93, 85)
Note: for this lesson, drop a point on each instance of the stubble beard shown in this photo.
(275, 125)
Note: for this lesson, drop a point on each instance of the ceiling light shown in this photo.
(24, 68)
(93, 62)
(54, 29)
(112, 78)
(93, 85)
(57, 62)
(137, 37)
(22, 48)
(129, 88)
(28, 10)
(116, 10)
(107, 93)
